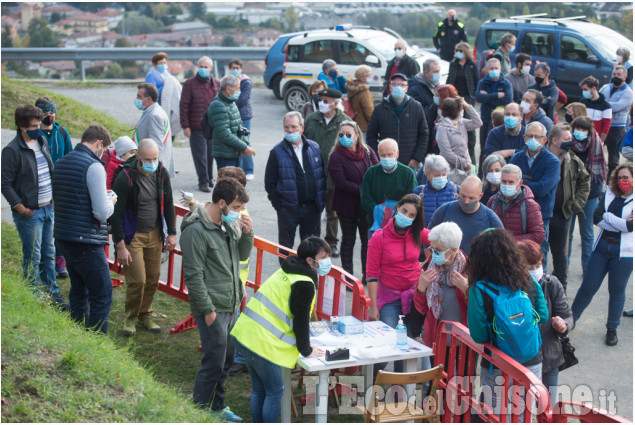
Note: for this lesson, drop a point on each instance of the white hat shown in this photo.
(123, 145)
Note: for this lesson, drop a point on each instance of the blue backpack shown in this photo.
(514, 321)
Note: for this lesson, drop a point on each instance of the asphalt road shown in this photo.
(602, 372)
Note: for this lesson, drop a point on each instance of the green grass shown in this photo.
(77, 116)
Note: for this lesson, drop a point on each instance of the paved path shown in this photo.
(603, 370)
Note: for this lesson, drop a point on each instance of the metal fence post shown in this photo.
(83, 66)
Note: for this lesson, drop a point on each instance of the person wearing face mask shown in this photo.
(560, 318)
(229, 138)
(392, 271)
(26, 185)
(198, 92)
(400, 64)
(620, 97)
(124, 149)
(213, 246)
(506, 139)
(438, 189)
(313, 104)
(622, 56)
(332, 76)
(154, 124)
(292, 290)
(588, 148)
(244, 107)
(145, 203)
(547, 88)
(514, 204)
(159, 72)
(532, 112)
(360, 97)
(295, 182)
(612, 250)
(507, 44)
(597, 108)
(448, 34)
(422, 87)
(82, 206)
(520, 77)
(467, 212)
(348, 162)
(492, 166)
(571, 195)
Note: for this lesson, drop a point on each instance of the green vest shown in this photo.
(265, 326)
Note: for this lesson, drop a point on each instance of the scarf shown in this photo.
(357, 155)
(595, 162)
(434, 294)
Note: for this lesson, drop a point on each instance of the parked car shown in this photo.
(349, 46)
(274, 60)
(574, 48)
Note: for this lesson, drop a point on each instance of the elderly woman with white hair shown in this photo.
(438, 189)
(622, 56)
(332, 76)
(492, 166)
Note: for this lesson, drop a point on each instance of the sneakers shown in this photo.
(628, 313)
(150, 324)
(225, 415)
(60, 268)
(165, 255)
(237, 368)
(611, 337)
(129, 328)
(249, 177)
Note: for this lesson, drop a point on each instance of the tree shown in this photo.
(291, 18)
(6, 38)
(229, 41)
(226, 22)
(41, 35)
(137, 24)
(114, 71)
(197, 10)
(123, 42)
(55, 16)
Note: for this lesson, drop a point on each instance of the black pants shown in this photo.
(203, 158)
(612, 140)
(306, 216)
(558, 244)
(482, 134)
(350, 226)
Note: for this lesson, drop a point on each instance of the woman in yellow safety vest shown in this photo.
(273, 329)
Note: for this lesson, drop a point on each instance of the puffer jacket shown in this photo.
(433, 199)
(361, 101)
(410, 130)
(224, 118)
(522, 218)
(196, 96)
(244, 100)
(557, 305)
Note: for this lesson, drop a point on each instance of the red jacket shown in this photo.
(111, 167)
(523, 218)
(195, 99)
(431, 323)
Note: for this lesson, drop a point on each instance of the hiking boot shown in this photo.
(225, 415)
(60, 268)
(129, 328)
(237, 368)
(611, 337)
(58, 300)
(150, 324)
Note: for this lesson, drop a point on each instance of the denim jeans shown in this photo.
(226, 162)
(586, 231)
(492, 390)
(247, 162)
(544, 246)
(38, 247)
(550, 380)
(604, 259)
(90, 296)
(389, 314)
(218, 357)
(267, 386)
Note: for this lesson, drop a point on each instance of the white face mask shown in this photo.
(324, 107)
(525, 70)
(399, 53)
(619, 59)
(494, 178)
(525, 107)
(537, 273)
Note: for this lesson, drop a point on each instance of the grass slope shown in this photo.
(54, 371)
(75, 116)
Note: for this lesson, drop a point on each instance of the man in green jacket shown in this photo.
(212, 247)
(229, 138)
(323, 127)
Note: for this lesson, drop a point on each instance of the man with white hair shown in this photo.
(145, 203)
(400, 64)
(438, 189)
(449, 33)
(514, 204)
(198, 93)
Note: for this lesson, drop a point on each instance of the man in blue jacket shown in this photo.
(541, 173)
(506, 139)
(547, 87)
(492, 91)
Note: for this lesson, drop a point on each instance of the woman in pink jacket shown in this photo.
(392, 269)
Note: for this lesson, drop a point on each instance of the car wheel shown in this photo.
(295, 98)
(275, 85)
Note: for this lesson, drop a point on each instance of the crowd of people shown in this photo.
(438, 226)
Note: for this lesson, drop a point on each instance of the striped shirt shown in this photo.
(45, 189)
(600, 112)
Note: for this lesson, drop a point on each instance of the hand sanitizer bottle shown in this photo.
(402, 335)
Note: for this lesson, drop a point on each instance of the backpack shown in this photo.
(483, 58)
(348, 108)
(206, 127)
(514, 321)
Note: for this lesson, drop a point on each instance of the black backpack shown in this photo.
(206, 128)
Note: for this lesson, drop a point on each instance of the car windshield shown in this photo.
(608, 44)
(384, 44)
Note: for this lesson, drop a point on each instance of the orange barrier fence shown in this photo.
(333, 289)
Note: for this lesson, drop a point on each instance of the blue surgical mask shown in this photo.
(235, 96)
(438, 258)
(403, 221)
(333, 74)
(508, 190)
(150, 167)
(459, 55)
(436, 101)
(292, 137)
(347, 142)
(162, 68)
(369, 80)
(33, 134)
(388, 163)
(510, 122)
(398, 92)
(235, 72)
(316, 98)
(533, 145)
(203, 72)
(139, 104)
(439, 182)
(231, 216)
(324, 266)
(494, 74)
(586, 94)
(436, 77)
(580, 135)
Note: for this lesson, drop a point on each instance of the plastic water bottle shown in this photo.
(402, 335)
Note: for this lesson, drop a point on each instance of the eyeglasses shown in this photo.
(404, 85)
(625, 178)
(437, 252)
(326, 101)
(349, 135)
